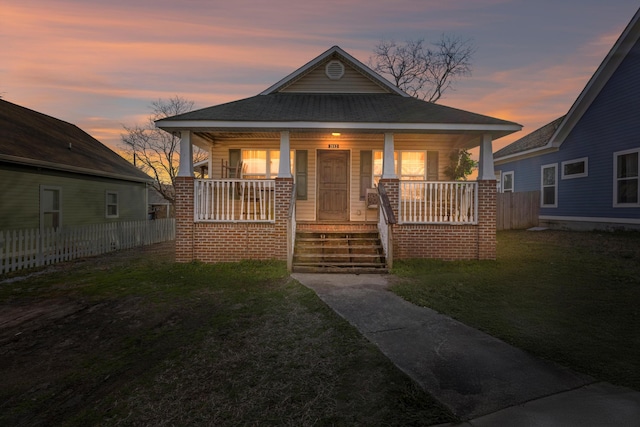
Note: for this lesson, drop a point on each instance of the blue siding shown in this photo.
(611, 124)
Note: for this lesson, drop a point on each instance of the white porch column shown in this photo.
(210, 162)
(485, 165)
(186, 154)
(284, 171)
(388, 164)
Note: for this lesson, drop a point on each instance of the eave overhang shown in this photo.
(525, 154)
(496, 130)
(68, 168)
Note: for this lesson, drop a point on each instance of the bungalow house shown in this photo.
(585, 164)
(333, 168)
(53, 174)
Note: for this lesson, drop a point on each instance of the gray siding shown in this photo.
(83, 198)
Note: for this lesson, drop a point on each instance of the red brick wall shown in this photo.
(487, 214)
(228, 241)
(184, 219)
(447, 242)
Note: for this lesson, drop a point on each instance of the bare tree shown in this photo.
(424, 72)
(427, 73)
(155, 151)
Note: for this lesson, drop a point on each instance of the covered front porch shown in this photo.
(239, 217)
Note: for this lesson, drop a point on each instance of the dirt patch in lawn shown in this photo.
(59, 349)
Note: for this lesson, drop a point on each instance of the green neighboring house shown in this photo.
(53, 174)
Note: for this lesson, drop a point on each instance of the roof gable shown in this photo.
(32, 138)
(334, 71)
(605, 71)
(534, 142)
(307, 100)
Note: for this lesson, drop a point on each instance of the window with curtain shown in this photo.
(263, 164)
(408, 165)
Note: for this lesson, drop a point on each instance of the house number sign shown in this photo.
(334, 145)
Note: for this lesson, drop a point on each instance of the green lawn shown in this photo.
(139, 340)
(565, 296)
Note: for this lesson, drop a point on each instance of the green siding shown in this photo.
(83, 198)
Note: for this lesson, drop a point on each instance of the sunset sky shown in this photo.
(101, 63)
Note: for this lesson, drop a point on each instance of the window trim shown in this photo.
(44, 188)
(615, 179)
(107, 204)
(502, 188)
(555, 186)
(585, 160)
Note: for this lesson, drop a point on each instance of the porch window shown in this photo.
(262, 164)
(50, 207)
(549, 179)
(111, 204)
(577, 168)
(408, 165)
(507, 182)
(626, 186)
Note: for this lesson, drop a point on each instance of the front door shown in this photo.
(333, 185)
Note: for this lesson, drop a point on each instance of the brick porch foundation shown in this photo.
(447, 242)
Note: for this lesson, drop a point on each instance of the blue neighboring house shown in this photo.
(586, 163)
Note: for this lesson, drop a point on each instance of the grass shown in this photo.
(564, 296)
(139, 340)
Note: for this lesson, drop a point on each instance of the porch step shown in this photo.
(338, 251)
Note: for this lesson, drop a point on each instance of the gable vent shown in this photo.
(334, 70)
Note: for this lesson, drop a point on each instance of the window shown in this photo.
(50, 207)
(262, 164)
(626, 191)
(507, 182)
(111, 204)
(577, 168)
(412, 165)
(548, 186)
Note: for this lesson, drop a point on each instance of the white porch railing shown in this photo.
(438, 202)
(234, 200)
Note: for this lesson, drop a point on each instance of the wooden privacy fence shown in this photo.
(31, 248)
(518, 210)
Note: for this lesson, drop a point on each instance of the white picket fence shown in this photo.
(21, 249)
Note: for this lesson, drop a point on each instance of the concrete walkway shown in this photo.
(482, 380)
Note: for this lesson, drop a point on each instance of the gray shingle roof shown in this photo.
(37, 138)
(347, 108)
(536, 139)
